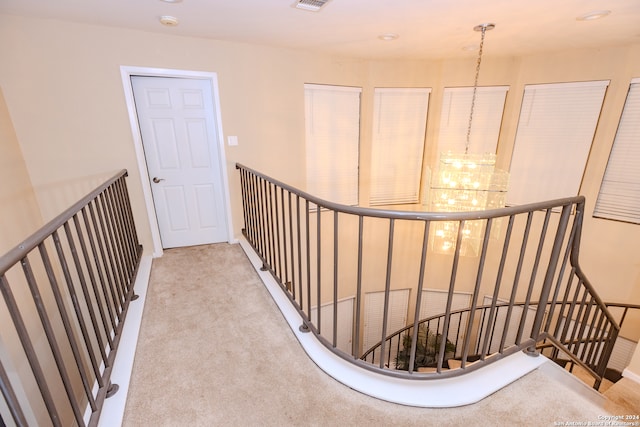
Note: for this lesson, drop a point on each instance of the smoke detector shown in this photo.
(169, 21)
(311, 5)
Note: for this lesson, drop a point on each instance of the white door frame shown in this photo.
(126, 73)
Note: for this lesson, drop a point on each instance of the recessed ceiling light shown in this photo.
(169, 21)
(172, 1)
(388, 36)
(596, 14)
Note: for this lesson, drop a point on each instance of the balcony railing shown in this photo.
(66, 290)
(348, 270)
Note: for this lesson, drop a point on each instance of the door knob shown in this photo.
(157, 180)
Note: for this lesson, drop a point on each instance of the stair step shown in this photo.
(623, 397)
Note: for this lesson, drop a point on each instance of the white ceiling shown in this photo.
(426, 28)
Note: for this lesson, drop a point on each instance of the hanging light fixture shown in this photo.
(466, 182)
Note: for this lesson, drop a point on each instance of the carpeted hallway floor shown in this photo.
(215, 350)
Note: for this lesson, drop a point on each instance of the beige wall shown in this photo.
(23, 218)
(19, 221)
(66, 78)
(64, 93)
(634, 365)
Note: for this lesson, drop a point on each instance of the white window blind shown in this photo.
(399, 123)
(487, 119)
(555, 131)
(344, 328)
(332, 128)
(434, 302)
(496, 329)
(374, 314)
(622, 353)
(619, 196)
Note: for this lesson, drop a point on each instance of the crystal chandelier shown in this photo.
(466, 182)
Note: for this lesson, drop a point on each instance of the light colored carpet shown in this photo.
(215, 350)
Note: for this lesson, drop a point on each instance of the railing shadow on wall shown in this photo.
(66, 291)
(364, 280)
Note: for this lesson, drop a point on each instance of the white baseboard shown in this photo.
(631, 375)
(438, 393)
(113, 409)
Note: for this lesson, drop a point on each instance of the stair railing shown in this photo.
(494, 333)
(323, 253)
(66, 290)
(591, 344)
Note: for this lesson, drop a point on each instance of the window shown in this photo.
(344, 336)
(374, 315)
(487, 118)
(332, 125)
(555, 131)
(619, 196)
(495, 331)
(399, 122)
(434, 303)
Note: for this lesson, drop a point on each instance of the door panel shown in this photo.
(197, 140)
(177, 209)
(166, 146)
(176, 119)
(205, 200)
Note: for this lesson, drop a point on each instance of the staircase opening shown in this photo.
(526, 291)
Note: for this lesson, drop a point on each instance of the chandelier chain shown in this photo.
(475, 88)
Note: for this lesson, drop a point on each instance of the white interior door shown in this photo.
(176, 118)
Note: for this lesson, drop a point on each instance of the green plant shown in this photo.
(427, 349)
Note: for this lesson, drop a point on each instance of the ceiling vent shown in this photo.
(312, 5)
